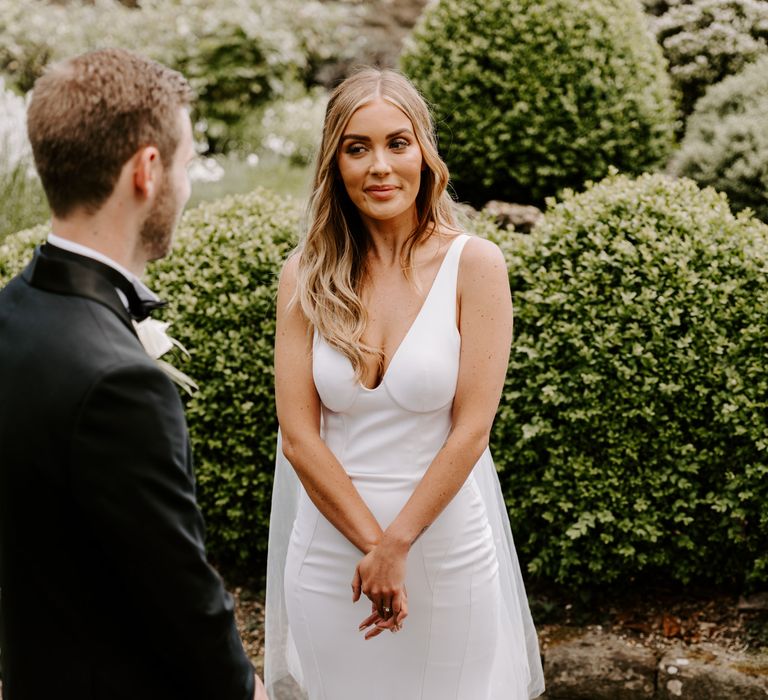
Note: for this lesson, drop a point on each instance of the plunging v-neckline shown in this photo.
(414, 322)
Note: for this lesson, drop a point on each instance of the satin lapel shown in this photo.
(67, 275)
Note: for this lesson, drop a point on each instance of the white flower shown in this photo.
(152, 335)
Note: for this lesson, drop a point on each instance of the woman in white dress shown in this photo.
(392, 343)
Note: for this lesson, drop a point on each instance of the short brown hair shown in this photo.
(90, 114)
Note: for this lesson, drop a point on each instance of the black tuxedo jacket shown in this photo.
(105, 591)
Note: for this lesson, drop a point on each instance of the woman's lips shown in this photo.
(381, 191)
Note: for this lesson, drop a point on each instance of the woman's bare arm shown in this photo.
(298, 412)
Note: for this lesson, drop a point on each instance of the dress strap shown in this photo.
(444, 288)
(457, 246)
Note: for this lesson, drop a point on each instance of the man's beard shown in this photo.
(157, 230)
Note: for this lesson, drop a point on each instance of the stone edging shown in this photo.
(602, 666)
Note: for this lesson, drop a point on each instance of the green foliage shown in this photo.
(221, 284)
(631, 438)
(292, 127)
(16, 251)
(658, 7)
(22, 200)
(726, 139)
(239, 55)
(632, 433)
(234, 67)
(535, 96)
(36, 32)
(706, 40)
(273, 172)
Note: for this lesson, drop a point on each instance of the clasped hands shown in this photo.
(380, 576)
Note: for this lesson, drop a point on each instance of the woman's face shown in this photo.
(380, 162)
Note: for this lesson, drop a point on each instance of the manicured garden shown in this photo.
(632, 438)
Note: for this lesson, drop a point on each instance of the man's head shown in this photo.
(92, 114)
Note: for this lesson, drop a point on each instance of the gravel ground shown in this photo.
(658, 617)
(653, 617)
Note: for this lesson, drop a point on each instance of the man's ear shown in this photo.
(147, 170)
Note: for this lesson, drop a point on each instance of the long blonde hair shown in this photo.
(331, 267)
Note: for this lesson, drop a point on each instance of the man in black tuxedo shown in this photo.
(106, 590)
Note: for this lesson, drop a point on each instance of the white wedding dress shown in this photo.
(469, 634)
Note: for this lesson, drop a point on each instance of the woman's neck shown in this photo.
(388, 239)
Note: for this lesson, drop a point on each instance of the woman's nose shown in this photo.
(380, 164)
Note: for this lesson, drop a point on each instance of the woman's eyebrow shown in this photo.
(360, 137)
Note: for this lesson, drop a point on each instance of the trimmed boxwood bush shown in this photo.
(532, 96)
(706, 40)
(221, 282)
(726, 139)
(221, 285)
(632, 435)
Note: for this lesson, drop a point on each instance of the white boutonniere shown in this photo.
(156, 341)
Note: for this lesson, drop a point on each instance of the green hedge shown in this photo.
(706, 40)
(726, 139)
(221, 285)
(632, 436)
(221, 280)
(532, 96)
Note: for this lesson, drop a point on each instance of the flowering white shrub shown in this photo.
(706, 40)
(292, 127)
(726, 139)
(14, 144)
(205, 170)
(22, 202)
(239, 55)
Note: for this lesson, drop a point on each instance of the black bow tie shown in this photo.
(138, 308)
(62, 280)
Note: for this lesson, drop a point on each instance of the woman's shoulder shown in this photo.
(289, 278)
(290, 270)
(480, 253)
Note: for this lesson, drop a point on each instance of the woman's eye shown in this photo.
(399, 143)
(355, 149)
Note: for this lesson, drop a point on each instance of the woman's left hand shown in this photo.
(380, 575)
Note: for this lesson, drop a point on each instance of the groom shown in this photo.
(105, 591)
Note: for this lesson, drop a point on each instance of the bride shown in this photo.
(392, 343)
